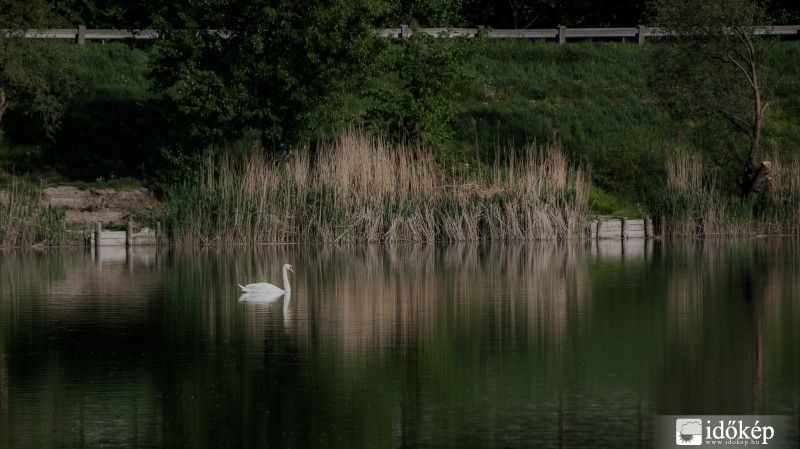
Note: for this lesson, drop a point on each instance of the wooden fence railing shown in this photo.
(560, 34)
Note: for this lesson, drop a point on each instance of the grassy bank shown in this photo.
(596, 98)
(361, 188)
(593, 98)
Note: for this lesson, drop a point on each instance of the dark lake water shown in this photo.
(509, 345)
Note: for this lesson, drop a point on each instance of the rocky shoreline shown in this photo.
(108, 206)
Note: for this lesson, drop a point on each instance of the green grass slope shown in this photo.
(595, 98)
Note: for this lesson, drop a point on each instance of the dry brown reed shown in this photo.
(363, 188)
(685, 171)
(692, 205)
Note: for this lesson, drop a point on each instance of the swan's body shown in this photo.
(262, 297)
(266, 287)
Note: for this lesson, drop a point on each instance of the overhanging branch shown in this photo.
(737, 122)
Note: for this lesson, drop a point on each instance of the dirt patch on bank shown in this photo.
(107, 206)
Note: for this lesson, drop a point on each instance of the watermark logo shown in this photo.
(689, 432)
(772, 431)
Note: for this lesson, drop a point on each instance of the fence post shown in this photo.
(158, 233)
(129, 234)
(562, 34)
(405, 32)
(648, 227)
(640, 33)
(97, 230)
(81, 35)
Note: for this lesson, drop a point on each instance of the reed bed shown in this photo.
(363, 188)
(692, 204)
(25, 220)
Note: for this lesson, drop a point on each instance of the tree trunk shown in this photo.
(514, 12)
(3, 104)
(760, 178)
(755, 142)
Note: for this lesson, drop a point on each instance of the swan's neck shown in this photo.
(286, 285)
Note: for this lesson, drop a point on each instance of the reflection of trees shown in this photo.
(72, 330)
(730, 312)
(755, 279)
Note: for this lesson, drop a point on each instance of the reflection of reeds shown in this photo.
(364, 189)
(76, 286)
(4, 412)
(358, 299)
(411, 295)
(533, 290)
(685, 294)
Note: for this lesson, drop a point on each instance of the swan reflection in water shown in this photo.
(267, 299)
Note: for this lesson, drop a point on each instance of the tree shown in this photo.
(508, 13)
(33, 82)
(709, 64)
(552, 13)
(429, 71)
(602, 13)
(109, 14)
(425, 13)
(787, 11)
(225, 66)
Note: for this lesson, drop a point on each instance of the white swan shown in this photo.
(266, 287)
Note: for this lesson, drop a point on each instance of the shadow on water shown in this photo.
(472, 345)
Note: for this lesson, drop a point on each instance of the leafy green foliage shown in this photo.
(551, 13)
(25, 14)
(277, 66)
(425, 13)
(108, 125)
(428, 73)
(104, 14)
(33, 81)
(696, 64)
(38, 84)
